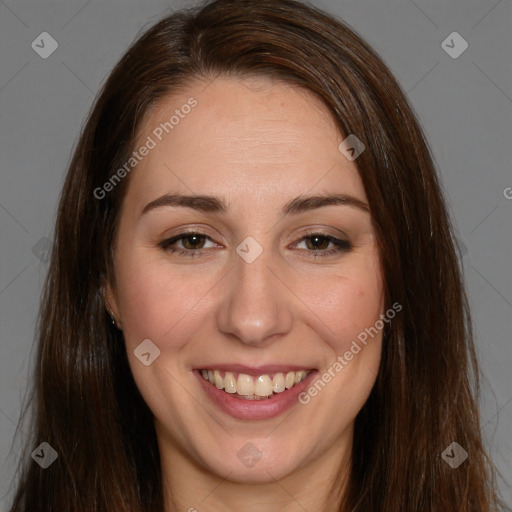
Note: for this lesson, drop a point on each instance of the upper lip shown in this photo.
(255, 371)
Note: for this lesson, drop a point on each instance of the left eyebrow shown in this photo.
(205, 203)
(306, 203)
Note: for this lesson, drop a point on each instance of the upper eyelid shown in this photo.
(308, 234)
(207, 230)
(180, 236)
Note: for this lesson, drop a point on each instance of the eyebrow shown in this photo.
(211, 204)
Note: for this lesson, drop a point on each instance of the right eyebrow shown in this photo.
(202, 203)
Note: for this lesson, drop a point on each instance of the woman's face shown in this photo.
(245, 249)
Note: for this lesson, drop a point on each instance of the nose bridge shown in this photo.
(254, 308)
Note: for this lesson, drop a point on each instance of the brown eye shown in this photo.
(317, 242)
(193, 241)
(187, 244)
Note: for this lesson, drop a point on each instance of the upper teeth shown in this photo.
(263, 385)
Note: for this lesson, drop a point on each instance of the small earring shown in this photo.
(114, 321)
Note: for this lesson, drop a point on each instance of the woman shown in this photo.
(254, 301)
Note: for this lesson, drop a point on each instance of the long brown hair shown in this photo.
(85, 402)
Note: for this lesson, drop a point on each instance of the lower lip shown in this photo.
(254, 409)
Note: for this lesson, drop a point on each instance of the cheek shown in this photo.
(344, 303)
(155, 299)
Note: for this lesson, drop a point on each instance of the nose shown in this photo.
(256, 307)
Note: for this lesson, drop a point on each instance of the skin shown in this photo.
(257, 144)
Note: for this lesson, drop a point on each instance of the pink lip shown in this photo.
(254, 409)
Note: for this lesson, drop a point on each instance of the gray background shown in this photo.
(464, 105)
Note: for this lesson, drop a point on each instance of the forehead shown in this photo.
(232, 136)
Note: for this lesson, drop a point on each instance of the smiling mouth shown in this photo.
(247, 387)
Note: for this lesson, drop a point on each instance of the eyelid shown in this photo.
(167, 242)
(206, 230)
(341, 245)
(325, 231)
(192, 229)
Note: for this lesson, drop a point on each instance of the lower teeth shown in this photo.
(250, 397)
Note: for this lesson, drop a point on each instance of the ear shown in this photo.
(109, 298)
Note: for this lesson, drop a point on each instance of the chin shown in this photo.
(255, 462)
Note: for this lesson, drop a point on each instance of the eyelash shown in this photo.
(340, 246)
